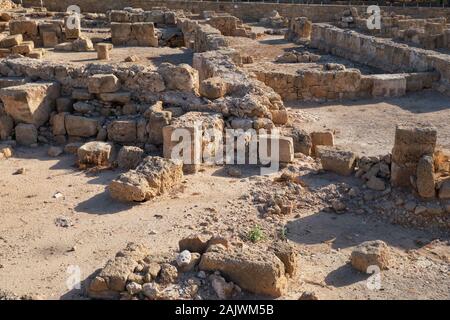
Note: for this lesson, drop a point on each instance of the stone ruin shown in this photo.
(112, 115)
(135, 273)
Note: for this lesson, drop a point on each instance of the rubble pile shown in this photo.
(205, 267)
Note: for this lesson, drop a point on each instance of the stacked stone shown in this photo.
(134, 34)
(416, 163)
(161, 16)
(231, 26)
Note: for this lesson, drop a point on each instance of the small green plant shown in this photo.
(283, 233)
(256, 234)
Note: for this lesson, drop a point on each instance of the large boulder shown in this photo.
(152, 177)
(258, 271)
(95, 153)
(30, 103)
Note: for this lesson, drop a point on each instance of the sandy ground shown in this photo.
(35, 253)
(368, 126)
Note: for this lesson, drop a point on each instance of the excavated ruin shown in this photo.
(109, 90)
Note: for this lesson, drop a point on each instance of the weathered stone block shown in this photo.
(95, 154)
(81, 126)
(425, 177)
(129, 157)
(336, 160)
(30, 103)
(266, 146)
(103, 83)
(26, 134)
(6, 126)
(257, 271)
(11, 41)
(411, 143)
(122, 131)
(58, 124)
(103, 50)
(370, 253)
(152, 177)
(49, 39)
(180, 77)
(157, 121)
(24, 48)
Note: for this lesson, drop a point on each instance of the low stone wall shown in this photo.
(134, 34)
(201, 37)
(242, 10)
(160, 16)
(111, 102)
(316, 83)
(381, 53)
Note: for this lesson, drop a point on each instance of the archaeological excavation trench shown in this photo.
(165, 150)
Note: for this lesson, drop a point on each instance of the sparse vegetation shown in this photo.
(256, 234)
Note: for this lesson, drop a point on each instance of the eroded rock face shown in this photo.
(30, 103)
(257, 271)
(370, 253)
(152, 177)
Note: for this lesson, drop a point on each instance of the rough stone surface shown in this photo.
(260, 272)
(122, 131)
(370, 253)
(152, 177)
(425, 177)
(194, 243)
(95, 154)
(336, 160)
(81, 126)
(26, 134)
(30, 103)
(103, 83)
(129, 157)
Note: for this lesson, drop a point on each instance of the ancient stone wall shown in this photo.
(317, 83)
(381, 53)
(253, 11)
